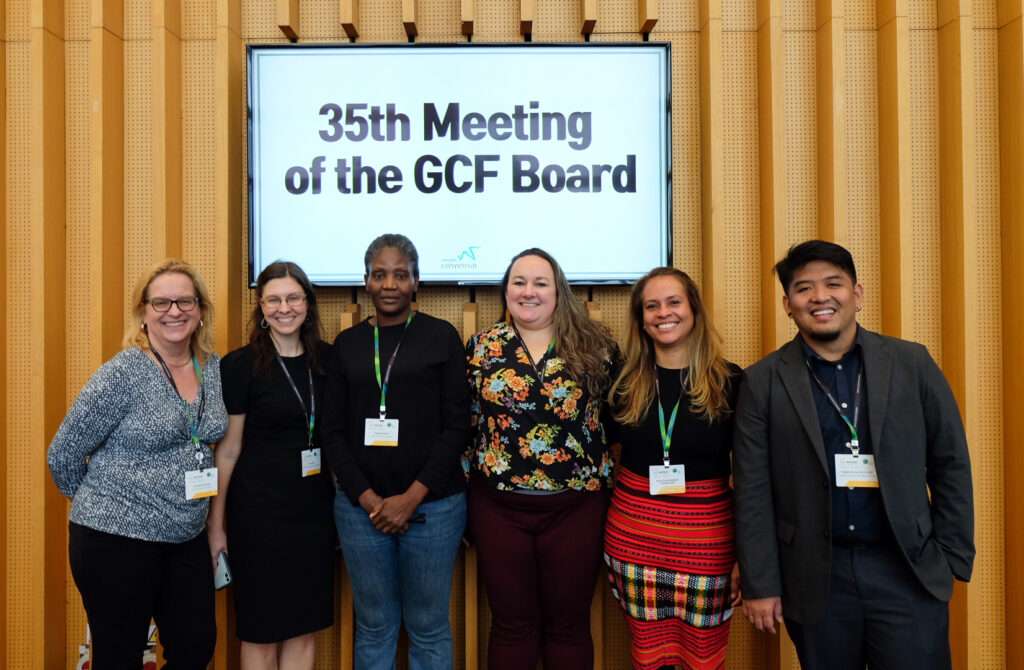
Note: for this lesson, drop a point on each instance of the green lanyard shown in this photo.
(193, 419)
(854, 443)
(666, 433)
(383, 383)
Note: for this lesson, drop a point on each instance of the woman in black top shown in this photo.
(276, 500)
(669, 539)
(397, 422)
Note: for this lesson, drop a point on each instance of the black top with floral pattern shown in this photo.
(532, 433)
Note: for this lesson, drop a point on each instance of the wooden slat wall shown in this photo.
(3, 349)
(1011, 177)
(891, 126)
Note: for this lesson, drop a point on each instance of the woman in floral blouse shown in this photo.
(539, 467)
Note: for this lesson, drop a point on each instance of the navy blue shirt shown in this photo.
(857, 514)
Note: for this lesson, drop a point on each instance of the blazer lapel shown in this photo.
(878, 375)
(798, 385)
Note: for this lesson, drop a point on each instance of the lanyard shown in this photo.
(197, 418)
(666, 433)
(309, 414)
(854, 443)
(529, 356)
(383, 383)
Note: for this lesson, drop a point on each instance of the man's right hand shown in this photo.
(764, 613)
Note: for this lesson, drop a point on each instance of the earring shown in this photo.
(142, 326)
(263, 323)
(200, 323)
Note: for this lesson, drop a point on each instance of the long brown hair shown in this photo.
(584, 344)
(633, 391)
(202, 338)
(309, 332)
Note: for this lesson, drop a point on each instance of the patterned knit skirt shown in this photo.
(669, 558)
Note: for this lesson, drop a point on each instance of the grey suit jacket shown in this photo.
(783, 488)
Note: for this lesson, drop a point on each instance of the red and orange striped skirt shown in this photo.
(669, 558)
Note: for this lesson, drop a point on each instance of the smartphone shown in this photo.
(222, 574)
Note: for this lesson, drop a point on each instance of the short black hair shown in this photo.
(396, 241)
(801, 254)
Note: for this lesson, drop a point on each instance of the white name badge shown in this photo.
(856, 472)
(310, 462)
(666, 479)
(381, 433)
(200, 483)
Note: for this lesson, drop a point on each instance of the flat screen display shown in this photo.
(475, 152)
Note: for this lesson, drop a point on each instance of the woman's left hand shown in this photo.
(735, 595)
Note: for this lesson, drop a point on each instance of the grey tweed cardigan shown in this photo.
(122, 451)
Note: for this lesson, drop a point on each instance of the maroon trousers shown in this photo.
(539, 556)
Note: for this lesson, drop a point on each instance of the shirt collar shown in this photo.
(812, 355)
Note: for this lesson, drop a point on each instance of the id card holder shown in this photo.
(310, 462)
(665, 479)
(856, 471)
(381, 433)
(200, 484)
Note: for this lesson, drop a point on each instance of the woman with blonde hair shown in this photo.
(134, 455)
(669, 538)
(539, 467)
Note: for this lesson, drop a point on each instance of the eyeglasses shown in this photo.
(186, 304)
(292, 300)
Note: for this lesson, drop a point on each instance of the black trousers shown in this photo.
(124, 582)
(878, 615)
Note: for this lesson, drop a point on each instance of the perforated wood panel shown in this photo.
(439, 21)
(138, 23)
(859, 14)
(17, 21)
(677, 17)
(798, 15)
(498, 21)
(862, 167)
(21, 592)
(198, 137)
(79, 325)
(558, 21)
(923, 14)
(988, 586)
(924, 156)
(615, 17)
(740, 291)
(199, 20)
(138, 149)
(686, 169)
(738, 16)
(801, 154)
(318, 21)
(76, 20)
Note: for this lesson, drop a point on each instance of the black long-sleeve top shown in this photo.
(701, 446)
(427, 394)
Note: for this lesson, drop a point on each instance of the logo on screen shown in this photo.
(465, 259)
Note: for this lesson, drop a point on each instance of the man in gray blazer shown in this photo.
(854, 508)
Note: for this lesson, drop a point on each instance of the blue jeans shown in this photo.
(400, 579)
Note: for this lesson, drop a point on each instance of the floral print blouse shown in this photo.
(534, 428)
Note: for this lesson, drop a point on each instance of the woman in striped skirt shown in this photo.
(669, 540)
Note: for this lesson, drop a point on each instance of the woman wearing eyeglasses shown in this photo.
(273, 517)
(134, 455)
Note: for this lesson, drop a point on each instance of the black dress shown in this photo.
(280, 525)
